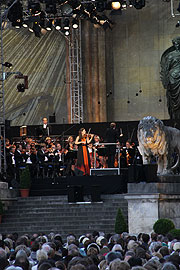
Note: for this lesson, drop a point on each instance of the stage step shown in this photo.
(54, 213)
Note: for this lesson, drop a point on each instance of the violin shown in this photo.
(88, 135)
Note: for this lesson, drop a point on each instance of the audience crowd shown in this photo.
(94, 251)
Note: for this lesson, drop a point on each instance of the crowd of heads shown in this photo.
(92, 251)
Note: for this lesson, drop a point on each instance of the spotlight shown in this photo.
(34, 8)
(130, 3)
(116, 5)
(17, 24)
(138, 4)
(21, 87)
(58, 24)
(75, 24)
(178, 24)
(124, 5)
(7, 64)
(66, 24)
(66, 33)
(25, 23)
(49, 25)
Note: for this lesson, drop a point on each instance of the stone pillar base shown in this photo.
(147, 202)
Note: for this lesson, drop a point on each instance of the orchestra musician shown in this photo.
(83, 159)
(128, 154)
(58, 158)
(71, 155)
(42, 157)
(11, 164)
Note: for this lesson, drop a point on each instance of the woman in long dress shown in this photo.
(83, 159)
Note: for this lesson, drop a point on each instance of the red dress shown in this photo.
(83, 159)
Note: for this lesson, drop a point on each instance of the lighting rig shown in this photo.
(40, 16)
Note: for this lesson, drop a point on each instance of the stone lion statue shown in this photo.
(160, 141)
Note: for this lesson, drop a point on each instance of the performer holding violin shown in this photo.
(83, 159)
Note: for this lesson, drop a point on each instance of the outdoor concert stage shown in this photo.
(102, 184)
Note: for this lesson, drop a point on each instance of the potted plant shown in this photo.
(1, 210)
(25, 182)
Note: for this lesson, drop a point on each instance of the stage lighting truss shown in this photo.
(39, 15)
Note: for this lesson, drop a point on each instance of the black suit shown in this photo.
(10, 166)
(41, 156)
(44, 131)
(18, 158)
(112, 136)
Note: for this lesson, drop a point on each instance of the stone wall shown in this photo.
(133, 51)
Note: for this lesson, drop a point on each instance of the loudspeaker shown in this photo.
(96, 194)
(107, 171)
(75, 194)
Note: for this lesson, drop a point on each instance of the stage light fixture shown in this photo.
(21, 87)
(58, 24)
(66, 24)
(17, 24)
(75, 24)
(49, 25)
(66, 32)
(25, 23)
(7, 64)
(130, 3)
(124, 5)
(178, 24)
(116, 5)
(138, 4)
(34, 8)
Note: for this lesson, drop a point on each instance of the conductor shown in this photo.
(112, 136)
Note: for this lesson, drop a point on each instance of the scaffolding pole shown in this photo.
(2, 105)
(75, 63)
